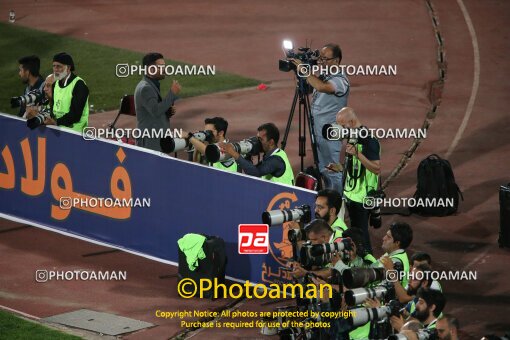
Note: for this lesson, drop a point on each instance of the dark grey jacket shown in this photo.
(151, 111)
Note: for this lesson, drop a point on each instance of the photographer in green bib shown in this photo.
(218, 126)
(275, 165)
(362, 169)
(327, 206)
(70, 104)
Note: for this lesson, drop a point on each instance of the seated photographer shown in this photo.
(317, 232)
(408, 295)
(218, 126)
(398, 237)
(29, 68)
(275, 165)
(361, 172)
(327, 207)
(357, 257)
(447, 327)
(33, 111)
(70, 104)
(430, 304)
(339, 327)
(420, 257)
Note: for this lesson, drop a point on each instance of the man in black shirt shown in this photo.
(29, 73)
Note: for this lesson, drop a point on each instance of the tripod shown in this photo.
(302, 101)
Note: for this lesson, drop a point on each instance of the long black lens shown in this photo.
(357, 296)
(359, 277)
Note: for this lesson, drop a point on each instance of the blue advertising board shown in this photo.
(40, 169)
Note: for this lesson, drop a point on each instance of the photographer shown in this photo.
(398, 237)
(29, 68)
(327, 207)
(430, 304)
(330, 94)
(421, 257)
(357, 258)
(218, 126)
(70, 104)
(153, 112)
(361, 173)
(447, 327)
(317, 232)
(409, 294)
(33, 111)
(275, 165)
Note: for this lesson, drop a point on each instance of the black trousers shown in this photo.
(359, 219)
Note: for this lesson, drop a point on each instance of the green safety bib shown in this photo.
(356, 189)
(232, 167)
(62, 103)
(288, 176)
(339, 225)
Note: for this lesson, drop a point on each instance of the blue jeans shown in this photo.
(329, 152)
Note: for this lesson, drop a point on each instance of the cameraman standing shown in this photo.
(361, 173)
(330, 94)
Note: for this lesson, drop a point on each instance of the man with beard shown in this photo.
(430, 304)
(29, 73)
(447, 327)
(317, 232)
(153, 112)
(275, 165)
(419, 278)
(70, 104)
(327, 207)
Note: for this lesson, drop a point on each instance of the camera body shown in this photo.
(305, 55)
(308, 260)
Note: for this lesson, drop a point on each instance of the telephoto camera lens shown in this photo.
(169, 144)
(359, 277)
(357, 296)
(361, 316)
(38, 120)
(277, 217)
(250, 146)
(34, 97)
